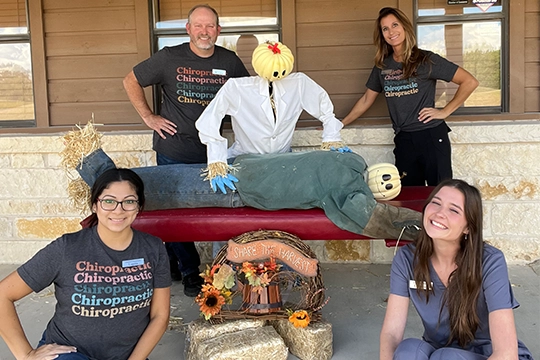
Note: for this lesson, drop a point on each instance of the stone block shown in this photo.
(128, 159)
(527, 251)
(6, 229)
(57, 207)
(33, 184)
(18, 207)
(31, 144)
(31, 161)
(53, 161)
(261, 343)
(380, 253)
(348, 250)
(5, 161)
(515, 218)
(45, 228)
(486, 160)
(313, 342)
(132, 141)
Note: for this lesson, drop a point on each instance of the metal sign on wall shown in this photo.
(484, 4)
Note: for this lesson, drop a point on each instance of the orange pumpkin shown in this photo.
(300, 318)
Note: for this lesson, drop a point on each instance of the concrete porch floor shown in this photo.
(356, 310)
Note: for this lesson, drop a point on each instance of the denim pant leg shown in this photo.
(93, 165)
(165, 186)
(413, 349)
(69, 356)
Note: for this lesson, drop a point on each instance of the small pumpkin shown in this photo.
(384, 181)
(272, 60)
(300, 318)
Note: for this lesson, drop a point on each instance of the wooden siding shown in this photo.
(532, 56)
(179, 9)
(335, 48)
(81, 50)
(90, 46)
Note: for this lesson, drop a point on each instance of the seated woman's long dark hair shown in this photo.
(464, 283)
(111, 176)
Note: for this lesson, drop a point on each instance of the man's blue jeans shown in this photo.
(185, 182)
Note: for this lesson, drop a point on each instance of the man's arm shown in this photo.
(155, 122)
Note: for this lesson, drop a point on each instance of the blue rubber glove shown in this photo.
(223, 181)
(343, 149)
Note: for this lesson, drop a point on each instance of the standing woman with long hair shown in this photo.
(458, 284)
(111, 283)
(408, 77)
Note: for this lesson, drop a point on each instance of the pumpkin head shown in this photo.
(272, 60)
(384, 181)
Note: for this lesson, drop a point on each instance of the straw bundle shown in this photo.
(262, 343)
(313, 342)
(78, 144)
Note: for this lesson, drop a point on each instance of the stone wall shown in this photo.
(501, 159)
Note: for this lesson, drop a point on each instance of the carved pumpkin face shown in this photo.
(272, 61)
(384, 181)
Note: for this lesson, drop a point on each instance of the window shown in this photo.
(471, 34)
(244, 24)
(16, 90)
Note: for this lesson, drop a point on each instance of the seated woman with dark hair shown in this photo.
(458, 284)
(111, 283)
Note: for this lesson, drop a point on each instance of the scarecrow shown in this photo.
(264, 110)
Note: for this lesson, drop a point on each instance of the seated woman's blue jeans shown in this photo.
(68, 356)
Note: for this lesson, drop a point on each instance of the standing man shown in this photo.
(189, 76)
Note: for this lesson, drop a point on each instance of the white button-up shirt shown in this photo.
(256, 131)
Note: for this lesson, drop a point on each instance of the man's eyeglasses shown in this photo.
(111, 204)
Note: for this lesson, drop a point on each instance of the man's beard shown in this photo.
(206, 45)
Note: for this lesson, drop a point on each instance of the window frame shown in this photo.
(26, 39)
(503, 17)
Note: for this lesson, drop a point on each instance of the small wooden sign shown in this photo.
(264, 249)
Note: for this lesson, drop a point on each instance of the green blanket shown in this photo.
(328, 180)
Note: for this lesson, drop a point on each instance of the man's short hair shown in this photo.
(204, 6)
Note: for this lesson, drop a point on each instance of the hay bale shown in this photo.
(262, 343)
(313, 342)
(200, 330)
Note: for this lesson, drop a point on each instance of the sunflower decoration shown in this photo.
(299, 318)
(210, 301)
(216, 291)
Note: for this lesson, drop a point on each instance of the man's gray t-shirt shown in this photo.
(188, 83)
(103, 295)
(406, 97)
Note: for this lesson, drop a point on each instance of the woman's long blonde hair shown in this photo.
(412, 56)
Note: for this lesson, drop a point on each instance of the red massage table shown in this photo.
(222, 224)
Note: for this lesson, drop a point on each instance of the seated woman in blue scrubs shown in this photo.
(458, 284)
